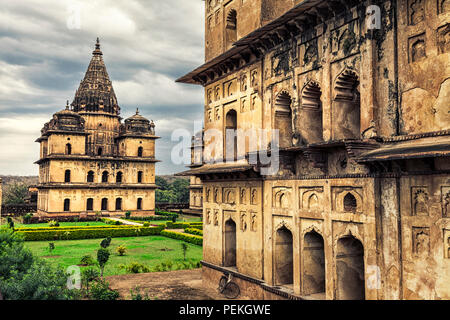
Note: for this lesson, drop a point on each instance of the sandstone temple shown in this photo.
(357, 96)
(92, 162)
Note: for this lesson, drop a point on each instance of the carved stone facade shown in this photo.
(90, 161)
(360, 205)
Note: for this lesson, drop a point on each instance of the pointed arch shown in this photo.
(283, 118)
(310, 119)
(350, 269)
(284, 257)
(230, 243)
(346, 106)
(313, 263)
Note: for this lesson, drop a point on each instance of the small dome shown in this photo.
(65, 120)
(138, 124)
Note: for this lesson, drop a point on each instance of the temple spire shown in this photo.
(97, 50)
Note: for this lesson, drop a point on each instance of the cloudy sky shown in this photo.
(45, 49)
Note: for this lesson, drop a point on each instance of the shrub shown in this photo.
(135, 267)
(112, 222)
(127, 214)
(136, 294)
(27, 218)
(51, 247)
(185, 248)
(121, 250)
(105, 242)
(149, 218)
(87, 260)
(194, 231)
(146, 224)
(88, 275)
(100, 290)
(165, 213)
(53, 224)
(102, 259)
(183, 236)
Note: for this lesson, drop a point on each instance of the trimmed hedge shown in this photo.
(183, 225)
(166, 213)
(88, 233)
(198, 240)
(67, 228)
(149, 218)
(194, 231)
(112, 222)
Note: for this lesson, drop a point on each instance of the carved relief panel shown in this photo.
(243, 221)
(244, 82)
(416, 11)
(253, 101)
(419, 201)
(311, 198)
(244, 105)
(254, 223)
(217, 93)
(254, 196)
(309, 55)
(281, 197)
(443, 6)
(243, 196)
(217, 114)
(443, 38)
(447, 244)
(208, 216)
(281, 63)
(229, 88)
(216, 217)
(216, 195)
(421, 241)
(254, 80)
(445, 201)
(347, 199)
(229, 195)
(417, 48)
(345, 40)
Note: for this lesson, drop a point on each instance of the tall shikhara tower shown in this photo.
(90, 161)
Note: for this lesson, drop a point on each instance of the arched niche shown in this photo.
(230, 244)
(284, 257)
(283, 119)
(231, 143)
(313, 263)
(309, 120)
(350, 269)
(346, 107)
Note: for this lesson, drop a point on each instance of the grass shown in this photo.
(181, 218)
(61, 224)
(150, 251)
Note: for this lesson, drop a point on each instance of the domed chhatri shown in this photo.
(89, 160)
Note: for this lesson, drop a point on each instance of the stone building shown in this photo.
(195, 185)
(92, 162)
(358, 92)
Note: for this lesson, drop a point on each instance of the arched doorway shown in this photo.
(230, 244)
(90, 204)
(284, 257)
(313, 264)
(350, 269)
(283, 119)
(66, 205)
(231, 136)
(104, 204)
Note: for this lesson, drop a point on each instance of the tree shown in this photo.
(161, 183)
(24, 277)
(102, 259)
(15, 193)
(185, 248)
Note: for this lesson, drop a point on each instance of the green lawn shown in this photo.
(181, 218)
(150, 251)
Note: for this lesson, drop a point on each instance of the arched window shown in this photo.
(231, 27)
(68, 148)
(100, 151)
(119, 177)
(90, 176)
(231, 136)
(140, 176)
(90, 204)
(67, 176)
(119, 204)
(66, 205)
(140, 151)
(105, 176)
(283, 119)
(104, 204)
(139, 204)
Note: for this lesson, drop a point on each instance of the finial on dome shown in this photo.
(67, 104)
(137, 110)
(97, 47)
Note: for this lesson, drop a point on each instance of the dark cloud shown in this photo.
(146, 46)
